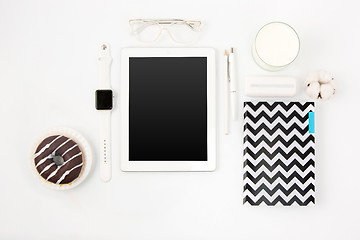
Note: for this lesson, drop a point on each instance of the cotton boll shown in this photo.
(325, 77)
(311, 77)
(313, 90)
(326, 91)
(320, 85)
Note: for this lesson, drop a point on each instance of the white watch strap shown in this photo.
(105, 61)
(105, 146)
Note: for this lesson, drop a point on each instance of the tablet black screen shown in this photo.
(168, 109)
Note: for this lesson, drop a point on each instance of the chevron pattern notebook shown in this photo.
(279, 152)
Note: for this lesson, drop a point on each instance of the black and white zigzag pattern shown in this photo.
(279, 154)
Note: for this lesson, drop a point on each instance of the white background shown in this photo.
(48, 73)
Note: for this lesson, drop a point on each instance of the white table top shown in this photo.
(48, 50)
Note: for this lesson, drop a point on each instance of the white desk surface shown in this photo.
(48, 72)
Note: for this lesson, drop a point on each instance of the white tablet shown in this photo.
(168, 109)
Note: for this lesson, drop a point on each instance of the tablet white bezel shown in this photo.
(170, 165)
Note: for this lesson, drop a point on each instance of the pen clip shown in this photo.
(228, 67)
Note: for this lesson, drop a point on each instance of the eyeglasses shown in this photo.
(149, 30)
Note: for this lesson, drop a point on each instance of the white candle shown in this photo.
(276, 46)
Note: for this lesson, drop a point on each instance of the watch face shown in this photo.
(104, 99)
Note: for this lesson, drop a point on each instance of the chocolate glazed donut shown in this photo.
(58, 159)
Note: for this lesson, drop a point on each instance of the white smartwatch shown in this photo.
(104, 105)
